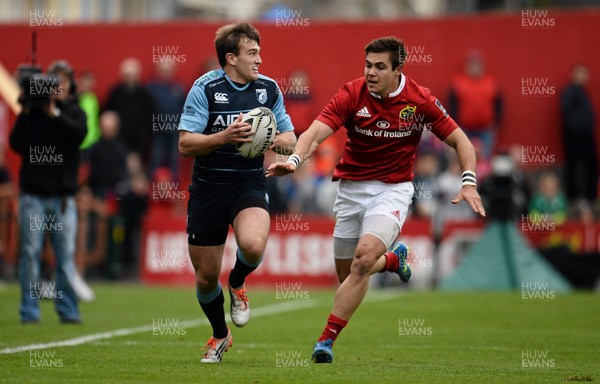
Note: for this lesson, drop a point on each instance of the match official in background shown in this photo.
(47, 135)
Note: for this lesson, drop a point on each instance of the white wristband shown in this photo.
(469, 178)
(294, 159)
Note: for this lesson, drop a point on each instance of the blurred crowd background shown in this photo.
(85, 11)
(126, 171)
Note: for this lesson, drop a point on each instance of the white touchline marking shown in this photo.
(258, 312)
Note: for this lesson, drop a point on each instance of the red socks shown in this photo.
(333, 328)
(391, 262)
(335, 324)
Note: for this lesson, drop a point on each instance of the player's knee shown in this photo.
(364, 259)
(362, 266)
(253, 251)
(206, 283)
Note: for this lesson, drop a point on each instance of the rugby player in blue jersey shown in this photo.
(228, 189)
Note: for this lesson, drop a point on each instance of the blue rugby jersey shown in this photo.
(213, 103)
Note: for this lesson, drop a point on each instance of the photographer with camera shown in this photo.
(47, 134)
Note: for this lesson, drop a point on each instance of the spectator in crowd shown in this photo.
(579, 138)
(168, 97)
(484, 166)
(132, 101)
(325, 159)
(521, 181)
(96, 200)
(300, 190)
(88, 101)
(133, 204)
(506, 190)
(585, 213)
(447, 186)
(275, 188)
(300, 103)
(427, 168)
(549, 202)
(430, 144)
(48, 134)
(107, 158)
(476, 102)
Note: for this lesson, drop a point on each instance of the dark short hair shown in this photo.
(63, 66)
(390, 44)
(229, 38)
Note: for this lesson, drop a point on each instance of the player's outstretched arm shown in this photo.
(199, 144)
(284, 143)
(307, 144)
(466, 158)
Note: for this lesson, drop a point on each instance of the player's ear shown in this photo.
(231, 59)
(398, 70)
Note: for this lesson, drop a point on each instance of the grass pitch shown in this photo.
(137, 334)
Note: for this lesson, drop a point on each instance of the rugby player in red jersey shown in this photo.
(385, 114)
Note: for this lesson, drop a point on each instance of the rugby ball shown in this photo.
(264, 126)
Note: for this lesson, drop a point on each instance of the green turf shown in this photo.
(465, 338)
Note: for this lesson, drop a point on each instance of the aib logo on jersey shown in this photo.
(222, 122)
(408, 113)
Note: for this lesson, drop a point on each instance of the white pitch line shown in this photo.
(258, 312)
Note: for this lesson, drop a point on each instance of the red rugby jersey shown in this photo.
(383, 134)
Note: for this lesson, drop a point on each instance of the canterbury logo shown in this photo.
(364, 112)
(221, 98)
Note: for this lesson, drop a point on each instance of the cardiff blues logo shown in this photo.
(261, 95)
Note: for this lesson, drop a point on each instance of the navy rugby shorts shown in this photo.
(213, 207)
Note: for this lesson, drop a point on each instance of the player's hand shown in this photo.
(280, 169)
(237, 132)
(469, 194)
